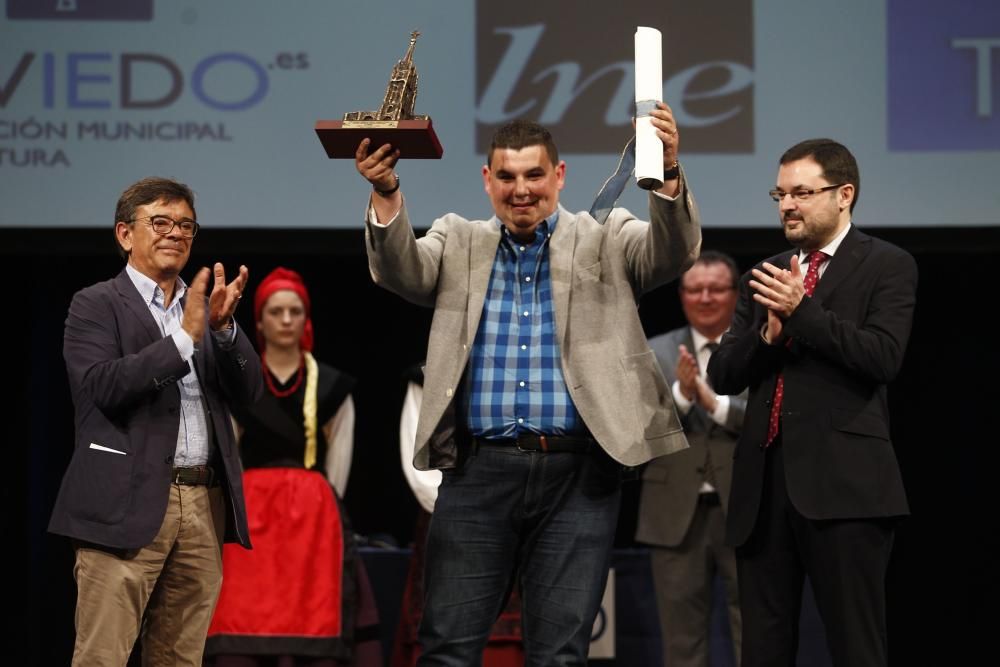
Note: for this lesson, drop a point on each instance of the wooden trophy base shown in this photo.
(413, 138)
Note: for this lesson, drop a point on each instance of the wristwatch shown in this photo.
(386, 193)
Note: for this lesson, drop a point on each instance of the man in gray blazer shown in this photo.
(539, 385)
(154, 484)
(683, 500)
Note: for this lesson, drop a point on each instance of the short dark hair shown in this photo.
(147, 191)
(716, 257)
(519, 134)
(838, 164)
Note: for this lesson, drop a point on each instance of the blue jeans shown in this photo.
(550, 519)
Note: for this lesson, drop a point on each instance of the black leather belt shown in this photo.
(533, 442)
(193, 476)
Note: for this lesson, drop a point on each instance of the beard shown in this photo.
(794, 226)
(809, 232)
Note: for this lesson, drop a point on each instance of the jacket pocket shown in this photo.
(589, 273)
(100, 482)
(650, 395)
(859, 423)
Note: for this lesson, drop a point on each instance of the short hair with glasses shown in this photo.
(147, 191)
(838, 163)
(716, 257)
(519, 134)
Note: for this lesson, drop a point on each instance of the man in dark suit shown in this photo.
(816, 486)
(683, 499)
(154, 484)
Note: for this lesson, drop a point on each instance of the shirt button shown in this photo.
(521, 383)
(524, 347)
(448, 393)
(520, 420)
(525, 313)
(522, 248)
(527, 279)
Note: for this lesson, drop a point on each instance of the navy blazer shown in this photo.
(848, 342)
(122, 377)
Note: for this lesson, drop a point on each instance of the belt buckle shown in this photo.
(194, 476)
(543, 445)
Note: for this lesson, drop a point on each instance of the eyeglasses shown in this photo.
(800, 195)
(163, 225)
(712, 290)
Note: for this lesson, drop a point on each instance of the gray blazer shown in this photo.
(670, 484)
(597, 273)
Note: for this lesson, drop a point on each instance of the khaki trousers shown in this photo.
(166, 590)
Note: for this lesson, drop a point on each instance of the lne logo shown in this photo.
(577, 77)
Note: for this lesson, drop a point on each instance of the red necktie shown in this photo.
(815, 259)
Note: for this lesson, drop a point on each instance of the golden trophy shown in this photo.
(394, 123)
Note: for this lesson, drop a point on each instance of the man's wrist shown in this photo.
(227, 325)
(390, 191)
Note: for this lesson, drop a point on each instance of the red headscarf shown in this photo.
(284, 279)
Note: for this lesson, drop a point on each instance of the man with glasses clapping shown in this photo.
(819, 332)
(682, 506)
(154, 486)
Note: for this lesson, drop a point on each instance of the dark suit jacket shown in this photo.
(670, 484)
(122, 376)
(848, 342)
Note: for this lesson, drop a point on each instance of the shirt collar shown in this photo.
(149, 290)
(699, 340)
(546, 228)
(830, 247)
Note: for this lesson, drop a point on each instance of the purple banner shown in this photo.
(944, 75)
(81, 10)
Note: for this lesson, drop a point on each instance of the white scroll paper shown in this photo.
(648, 91)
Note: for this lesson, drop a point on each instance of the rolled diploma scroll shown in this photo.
(648, 91)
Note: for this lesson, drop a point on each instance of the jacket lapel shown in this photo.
(852, 251)
(482, 253)
(784, 260)
(134, 304)
(562, 247)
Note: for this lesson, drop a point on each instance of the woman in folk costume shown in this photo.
(301, 596)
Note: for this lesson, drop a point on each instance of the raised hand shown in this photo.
(193, 321)
(224, 298)
(777, 289)
(377, 167)
(780, 291)
(687, 373)
(667, 132)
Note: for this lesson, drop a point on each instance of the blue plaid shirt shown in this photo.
(515, 380)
